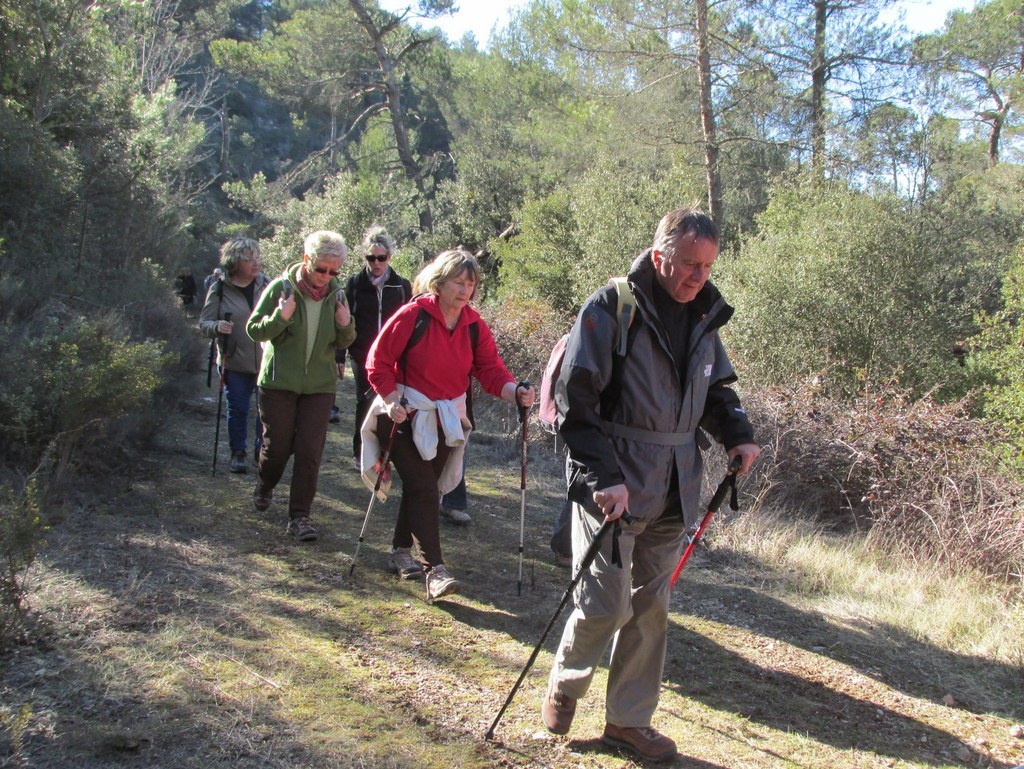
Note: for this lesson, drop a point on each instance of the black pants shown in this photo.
(364, 397)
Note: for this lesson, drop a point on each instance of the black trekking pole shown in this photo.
(588, 559)
(522, 487)
(222, 342)
(376, 488)
(209, 363)
(728, 483)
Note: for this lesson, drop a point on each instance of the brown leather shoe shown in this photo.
(644, 741)
(558, 711)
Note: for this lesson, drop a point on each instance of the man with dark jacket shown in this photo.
(634, 418)
(374, 294)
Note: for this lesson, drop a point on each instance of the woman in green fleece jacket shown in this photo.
(301, 319)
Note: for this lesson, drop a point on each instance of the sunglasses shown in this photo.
(372, 258)
(322, 270)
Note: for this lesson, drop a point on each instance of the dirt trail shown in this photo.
(179, 628)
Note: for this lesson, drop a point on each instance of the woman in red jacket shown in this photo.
(421, 390)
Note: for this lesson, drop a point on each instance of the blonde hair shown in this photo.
(325, 243)
(447, 264)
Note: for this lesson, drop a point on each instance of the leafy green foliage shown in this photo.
(997, 358)
(979, 57)
(68, 376)
(541, 260)
(848, 286)
(20, 531)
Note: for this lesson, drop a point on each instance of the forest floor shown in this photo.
(179, 628)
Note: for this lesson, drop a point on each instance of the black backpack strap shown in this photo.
(419, 329)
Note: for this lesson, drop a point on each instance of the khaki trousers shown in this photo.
(627, 606)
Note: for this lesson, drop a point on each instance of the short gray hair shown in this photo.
(683, 221)
(448, 264)
(378, 236)
(325, 243)
(236, 251)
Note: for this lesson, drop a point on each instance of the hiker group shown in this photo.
(638, 388)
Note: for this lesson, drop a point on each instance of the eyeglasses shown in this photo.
(322, 270)
(371, 258)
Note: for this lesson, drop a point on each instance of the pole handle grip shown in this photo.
(522, 408)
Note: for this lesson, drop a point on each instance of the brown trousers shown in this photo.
(293, 424)
(418, 512)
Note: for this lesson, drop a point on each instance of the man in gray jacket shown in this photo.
(633, 405)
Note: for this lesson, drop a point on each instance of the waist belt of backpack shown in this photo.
(650, 436)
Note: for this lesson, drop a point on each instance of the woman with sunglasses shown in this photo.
(421, 402)
(301, 319)
(374, 294)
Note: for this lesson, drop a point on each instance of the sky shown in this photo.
(481, 16)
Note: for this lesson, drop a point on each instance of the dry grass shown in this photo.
(177, 628)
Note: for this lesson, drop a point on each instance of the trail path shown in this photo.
(182, 629)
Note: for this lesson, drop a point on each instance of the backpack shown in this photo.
(625, 309)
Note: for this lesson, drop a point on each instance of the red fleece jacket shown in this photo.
(439, 365)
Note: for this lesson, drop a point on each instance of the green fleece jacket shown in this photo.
(286, 366)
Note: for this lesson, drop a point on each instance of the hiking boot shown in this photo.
(335, 417)
(563, 561)
(557, 711)
(440, 583)
(302, 529)
(459, 517)
(403, 564)
(644, 741)
(238, 461)
(261, 499)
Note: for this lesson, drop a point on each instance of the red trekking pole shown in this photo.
(728, 484)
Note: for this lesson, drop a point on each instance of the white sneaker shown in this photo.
(440, 583)
(460, 517)
(403, 564)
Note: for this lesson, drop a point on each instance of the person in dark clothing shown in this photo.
(374, 294)
(636, 444)
(185, 287)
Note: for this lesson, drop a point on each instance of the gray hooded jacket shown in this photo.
(631, 427)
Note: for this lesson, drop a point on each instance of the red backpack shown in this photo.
(624, 310)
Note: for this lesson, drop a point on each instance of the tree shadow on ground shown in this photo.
(879, 650)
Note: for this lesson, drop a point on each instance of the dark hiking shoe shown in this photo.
(403, 564)
(643, 741)
(238, 464)
(558, 711)
(302, 529)
(440, 583)
(335, 417)
(261, 499)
